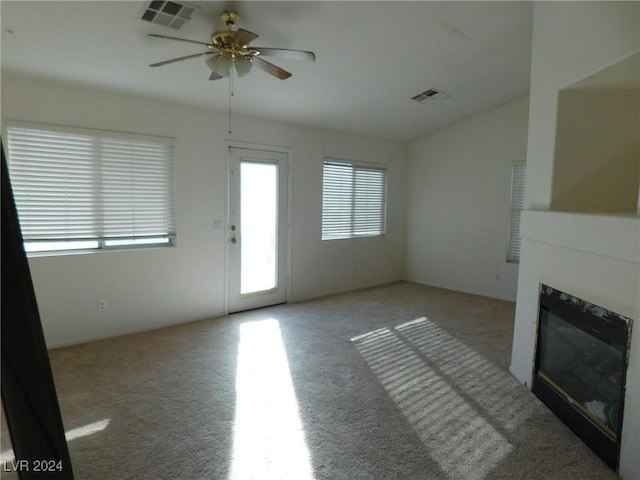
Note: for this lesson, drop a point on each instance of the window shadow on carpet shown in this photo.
(461, 406)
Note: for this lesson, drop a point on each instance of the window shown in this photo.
(79, 189)
(353, 200)
(517, 204)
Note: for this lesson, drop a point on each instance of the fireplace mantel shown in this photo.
(615, 236)
(595, 257)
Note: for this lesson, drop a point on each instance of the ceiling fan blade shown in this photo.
(214, 76)
(286, 53)
(271, 68)
(243, 37)
(180, 59)
(167, 37)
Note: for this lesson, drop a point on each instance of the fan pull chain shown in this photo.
(230, 95)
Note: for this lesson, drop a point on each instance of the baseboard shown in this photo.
(520, 378)
(96, 338)
(331, 293)
(469, 292)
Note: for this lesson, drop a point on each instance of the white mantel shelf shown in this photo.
(615, 236)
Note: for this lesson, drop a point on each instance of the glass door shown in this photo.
(257, 228)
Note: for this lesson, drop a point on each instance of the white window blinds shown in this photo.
(353, 200)
(517, 204)
(83, 189)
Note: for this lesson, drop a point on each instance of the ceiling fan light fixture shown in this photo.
(221, 64)
(243, 65)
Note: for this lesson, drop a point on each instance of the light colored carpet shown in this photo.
(397, 382)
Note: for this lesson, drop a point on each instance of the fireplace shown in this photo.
(580, 368)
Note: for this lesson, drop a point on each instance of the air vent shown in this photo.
(431, 94)
(169, 14)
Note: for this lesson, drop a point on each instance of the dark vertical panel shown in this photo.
(28, 391)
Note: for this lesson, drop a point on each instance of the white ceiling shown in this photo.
(372, 57)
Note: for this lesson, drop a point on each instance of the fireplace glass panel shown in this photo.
(584, 369)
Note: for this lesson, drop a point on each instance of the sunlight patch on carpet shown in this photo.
(446, 391)
(269, 441)
(78, 432)
(86, 430)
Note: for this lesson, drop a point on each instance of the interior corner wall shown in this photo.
(597, 152)
(458, 202)
(156, 287)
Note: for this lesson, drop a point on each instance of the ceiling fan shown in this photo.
(229, 48)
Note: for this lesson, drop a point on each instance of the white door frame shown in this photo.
(268, 148)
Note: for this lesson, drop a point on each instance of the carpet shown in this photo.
(396, 382)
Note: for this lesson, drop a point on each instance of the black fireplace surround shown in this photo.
(580, 368)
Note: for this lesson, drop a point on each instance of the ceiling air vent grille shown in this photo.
(431, 94)
(169, 14)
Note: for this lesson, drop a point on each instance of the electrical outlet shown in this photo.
(102, 305)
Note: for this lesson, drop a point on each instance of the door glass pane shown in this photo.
(258, 226)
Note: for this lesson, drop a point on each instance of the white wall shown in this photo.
(458, 193)
(594, 257)
(151, 288)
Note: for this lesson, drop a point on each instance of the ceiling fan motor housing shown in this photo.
(229, 17)
(226, 40)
